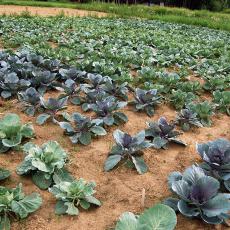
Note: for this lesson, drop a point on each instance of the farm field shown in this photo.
(45, 11)
(179, 66)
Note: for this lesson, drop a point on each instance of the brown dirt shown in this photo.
(120, 190)
(47, 11)
(53, 45)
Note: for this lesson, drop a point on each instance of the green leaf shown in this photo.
(111, 162)
(120, 117)
(93, 200)
(172, 203)
(159, 217)
(84, 204)
(127, 221)
(129, 164)
(13, 141)
(60, 207)
(185, 127)
(2, 135)
(109, 120)
(3, 148)
(27, 131)
(40, 164)
(62, 175)
(150, 111)
(98, 130)
(4, 223)
(41, 119)
(25, 167)
(67, 116)
(75, 100)
(6, 94)
(159, 142)
(71, 209)
(216, 206)
(40, 180)
(85, 138)
(85, 107)
(27, 205)
(28, 146)
(140, 164)
(4, 174)
(30, 111)
(11, 119)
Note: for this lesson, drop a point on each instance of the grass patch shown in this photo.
(38, 3)
(177, 15)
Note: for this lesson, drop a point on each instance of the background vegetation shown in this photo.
(203, 17)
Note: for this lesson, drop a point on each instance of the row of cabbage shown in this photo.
(115, 46)
(202, 191)
(30, 76)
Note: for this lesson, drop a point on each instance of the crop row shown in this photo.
(200, 190)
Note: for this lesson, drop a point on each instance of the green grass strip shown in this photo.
(203, 18)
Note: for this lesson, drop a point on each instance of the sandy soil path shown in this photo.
(47, 11)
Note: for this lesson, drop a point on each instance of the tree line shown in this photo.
(199, 4)
(214, 5)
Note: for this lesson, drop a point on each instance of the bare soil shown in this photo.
(47, 11)
(121, 189)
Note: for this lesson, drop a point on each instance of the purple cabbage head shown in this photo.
(216, 157)
(197, 195)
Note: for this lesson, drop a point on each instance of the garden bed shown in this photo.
(89, 44)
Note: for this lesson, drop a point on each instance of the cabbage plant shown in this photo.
(119, 91)
(70, 90)
(4, 174)
(10, 85)
(51, 107)
(216, 157)
(45, 164)
(157, 217)
(215, 83)
(90, 98)
(106, 111)
(190, 86)
(161, 133)
(82, 129)
(187, 118)
(180, 99)
(43, 80)
(16, 205)
(30, 100)
(197, 195)
(146, 100)
(73, 74)
(95, 81)
(128, 149)
(204, 111)
(222, 100)
(72, 195)
(13, 132)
